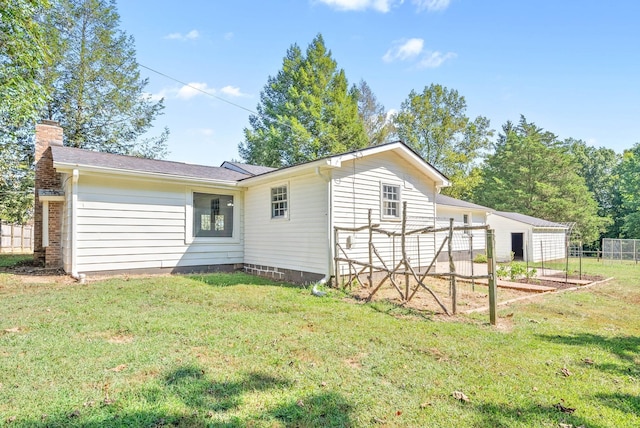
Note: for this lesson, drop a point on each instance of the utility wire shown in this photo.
(198, 89)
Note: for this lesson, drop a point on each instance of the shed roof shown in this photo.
(73, 157)
(532, 221)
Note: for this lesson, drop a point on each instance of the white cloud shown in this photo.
(191, 35)
(379, 5)
(228, 36)
(431, 5)
(201, 132)
(193, 89)
(403, 50)
(390, 114)
(155, 97)
(435, 59)
(232, 91)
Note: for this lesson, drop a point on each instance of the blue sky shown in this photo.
(570, 66)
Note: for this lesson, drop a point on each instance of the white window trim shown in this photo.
(383, 216)
(287, 216)
(188, 217)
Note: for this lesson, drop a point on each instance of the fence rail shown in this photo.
(17, 239)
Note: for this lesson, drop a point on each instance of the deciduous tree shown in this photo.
(598, 167)
(629, 187)
(434, 123)
(23, 54)
(306, 111)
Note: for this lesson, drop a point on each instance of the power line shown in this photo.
(198, 89)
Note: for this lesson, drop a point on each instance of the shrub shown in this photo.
(480, 258)
(517, 270)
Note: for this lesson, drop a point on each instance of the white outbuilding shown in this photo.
(527, 238)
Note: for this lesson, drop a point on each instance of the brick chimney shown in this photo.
(47, 181)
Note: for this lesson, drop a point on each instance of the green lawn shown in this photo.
(234, 350)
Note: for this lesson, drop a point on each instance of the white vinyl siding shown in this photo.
(357, 188)
(134, 224)
(548, 243)
(504, 227)
(537, 242)
(302, 242)
(462, 241)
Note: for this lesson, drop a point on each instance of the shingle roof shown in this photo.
(87, 158)
(533, 221)
(448, 200)
(249, 169)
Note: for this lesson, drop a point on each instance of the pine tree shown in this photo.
(97, 92)
(306, 112)
(533, 173)
(373, 116)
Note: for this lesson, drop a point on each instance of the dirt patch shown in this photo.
(31, 272)
(355, 362)
(469, 295)
(120, 339)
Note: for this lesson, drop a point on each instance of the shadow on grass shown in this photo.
(206, 403)
(196, 391)
(505, 416)
(626, 403)
(237, 278)
(626, 348)
(399, 311)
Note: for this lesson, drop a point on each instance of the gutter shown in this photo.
(129, 173)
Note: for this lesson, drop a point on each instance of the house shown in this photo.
(468, 244)
(100, 212)
(528, 238)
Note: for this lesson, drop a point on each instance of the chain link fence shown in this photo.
(621, 250)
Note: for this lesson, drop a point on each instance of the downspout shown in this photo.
(329, 182)
(74, 229)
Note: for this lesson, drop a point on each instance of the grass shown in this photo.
(234, 350)
(9, 260)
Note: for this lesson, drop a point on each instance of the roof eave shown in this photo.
(68, 167)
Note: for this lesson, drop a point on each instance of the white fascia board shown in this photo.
(421, 164)
(461, 209)
(65, 167)
(290, 171)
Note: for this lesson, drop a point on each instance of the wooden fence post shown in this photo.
(404, 250)
(337, 267)
(491, 268)
(370, 251)
(452, 270)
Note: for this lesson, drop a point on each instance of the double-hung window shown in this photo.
(390, 201)
(279, 202)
